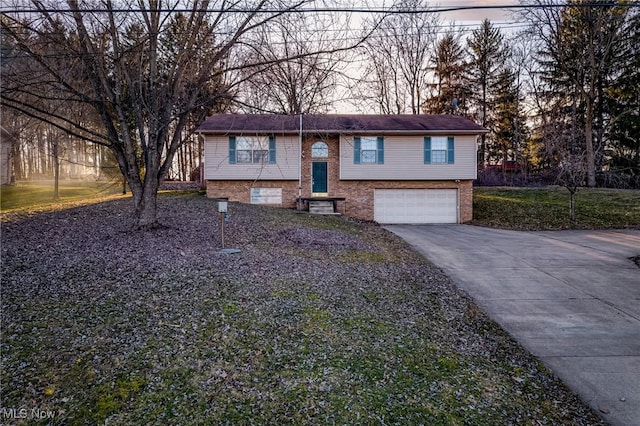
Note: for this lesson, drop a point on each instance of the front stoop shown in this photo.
(321, 207)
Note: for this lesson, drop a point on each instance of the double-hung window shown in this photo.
(252, 150)
(439, 150)
(368, 150)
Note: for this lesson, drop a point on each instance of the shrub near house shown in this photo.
(387, 168)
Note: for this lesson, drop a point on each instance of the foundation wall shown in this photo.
(359, 195)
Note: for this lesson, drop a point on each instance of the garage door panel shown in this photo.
(416, 205)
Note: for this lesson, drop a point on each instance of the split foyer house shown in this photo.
(387, 168)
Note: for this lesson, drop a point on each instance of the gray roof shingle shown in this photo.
(349, 123)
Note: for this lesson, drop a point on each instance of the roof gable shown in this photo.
(339, 123)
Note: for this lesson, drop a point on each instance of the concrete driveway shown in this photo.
(572, 298)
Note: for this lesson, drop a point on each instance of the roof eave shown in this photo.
(407, 132)
(349, 132)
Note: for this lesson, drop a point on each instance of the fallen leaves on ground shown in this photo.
(317, 320)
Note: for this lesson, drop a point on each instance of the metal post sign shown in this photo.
(223, 217)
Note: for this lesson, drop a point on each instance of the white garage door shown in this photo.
(416, 205)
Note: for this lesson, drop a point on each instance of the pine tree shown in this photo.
(623, 105)
(486, 49)
(449, 92)
(510, 130)
(580, 52)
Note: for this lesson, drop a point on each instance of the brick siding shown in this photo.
(240, 190)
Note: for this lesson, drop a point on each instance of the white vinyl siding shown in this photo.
(414, 206)
(404, 160)
(218, 167)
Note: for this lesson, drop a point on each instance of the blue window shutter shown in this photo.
(450, 155)
(232, 150)
(356, 150)
(272, 150)
(427, 150)
(380, 150)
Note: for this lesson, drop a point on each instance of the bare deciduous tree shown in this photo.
(306, 83)
(148, 72)
(579, 43)
(398, 54)
(571, 173)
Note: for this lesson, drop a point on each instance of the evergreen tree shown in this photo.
(449, 91)
(486, 49)
(580, 55)
(510, 131)
(623, 105)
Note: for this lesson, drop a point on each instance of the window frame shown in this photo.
(373, 155)
(320, 145)
(445, 150)
(258, 152)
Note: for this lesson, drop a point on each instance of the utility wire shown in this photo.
(374, 10)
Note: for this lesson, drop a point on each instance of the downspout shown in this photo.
(300, 166)
(201, 142)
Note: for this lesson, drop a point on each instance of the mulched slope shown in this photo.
(317, 320)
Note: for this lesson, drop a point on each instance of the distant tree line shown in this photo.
(560, 97)
(92, 88)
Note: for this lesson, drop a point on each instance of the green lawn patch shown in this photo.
(38, 195)
(548, 208)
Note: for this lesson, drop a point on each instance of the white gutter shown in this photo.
(199, 136)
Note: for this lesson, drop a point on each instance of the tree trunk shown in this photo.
(146, 205)
(30, 163)
(588, 136)
(144, 191)
(56, 171)
(41, 154)
(572, 208)
(590, 97)
(484, 124)
(16, 157)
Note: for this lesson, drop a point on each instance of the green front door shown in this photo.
(319, 177)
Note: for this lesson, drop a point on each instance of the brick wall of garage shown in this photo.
(360, 194)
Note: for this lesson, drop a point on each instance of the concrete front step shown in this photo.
(321, 207)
